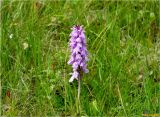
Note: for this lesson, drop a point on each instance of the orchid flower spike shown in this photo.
(79, 53)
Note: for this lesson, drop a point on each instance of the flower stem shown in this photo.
(79, 90)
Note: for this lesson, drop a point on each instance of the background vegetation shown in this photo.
(124, 44)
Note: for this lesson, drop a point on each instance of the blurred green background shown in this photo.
(123, 39)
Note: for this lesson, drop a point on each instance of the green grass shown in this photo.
(123, 39)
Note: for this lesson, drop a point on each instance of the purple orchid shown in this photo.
(79, 52)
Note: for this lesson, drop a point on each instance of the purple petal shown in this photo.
(79, 44)
(78, 57)
(74, 34)
(75, 65)
(74, 76)
(78, 40)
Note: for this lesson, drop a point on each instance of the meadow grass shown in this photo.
(123, 39)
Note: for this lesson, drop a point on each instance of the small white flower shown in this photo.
(25, 45)
(49, 97)
(11, 36)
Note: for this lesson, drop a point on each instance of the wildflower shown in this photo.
(79, 52)
(11, 36)
(25, 45)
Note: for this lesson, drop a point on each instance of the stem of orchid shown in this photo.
(79, 90)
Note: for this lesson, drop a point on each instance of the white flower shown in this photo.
(25, 45)
(11, 36)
